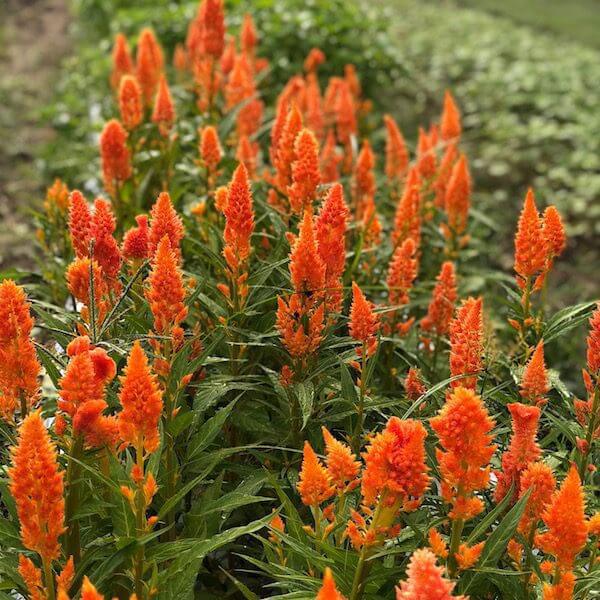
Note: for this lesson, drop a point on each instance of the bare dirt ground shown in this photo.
(33, 40)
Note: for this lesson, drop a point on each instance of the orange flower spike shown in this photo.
(593, 343)
(32, 576)
(437, 543)
(141, 399)
(106, 249)
(164, 220)
(425, 580)
(364, 187)
(467, 556)
(180, 58)
(530, 246)
(121, 60)
(553, 231)
(563, 590)
(78, 281)
(331, 227)
(425, 156)
(164, 110)
(402, 273)
(307, 270)
(300, 326)
(534, 383)
(413, 384)
(328, 590)
(130, 102)
(463, 427)
(149, 64)
(441, 308)
(284, 154)
(466, 343)
(314, 485)
(211, 18)
(565, 519)
(116, 158)
(364, 323)
(342, 466)
(407, 220)
(248, 35)
(315, 58)
(315, 118)
(450, 122)
(57, 197)
(211, 152)
(458, 196)
(442, 178)
(15, 316)
(166, 291)
(88, 591)
(345, 114)
(135, 240)
(330, 159)
(80, 222)
(305, 172)
(537, 479)
(36, 484)
(396, 153)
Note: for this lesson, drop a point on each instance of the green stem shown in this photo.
(140, 518)
(360, 409)
(457, 528)
(49, 579)
(527, 566)
(589, 438)
(73, 542)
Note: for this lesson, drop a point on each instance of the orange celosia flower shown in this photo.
(314, 484)
(437, 543)
(530, 246)
(210, 148)
(116, 159)
(282, 149)
(315, 58)
(78, 277)
(402, 273)
(467, 556)
(534, 383)
(364, 323)
(305, 171)
(440, 185)
(563, 590)
(425, 156)
(106, 248)
(36, 484)
(458, 197)
(15, 317)
(180, 58)
(32, 576)
(330, 159)
(300, 325)
(315, 119)
(121, 60)
(136, 240)
(396, 153)
(89, 592)
(57, 197)
(363, 184)
(522, 451)
(413, 384)
(163, 113)
(248, 35)
(331, 231)
(553, 231)
(307, 270)
(407, 220)
(80, 223)
(130, 102)
(342, 466)
(141, 399)
(345, 115)
(211, 20)
(441, 308)
(328, 590)
(149, 64)
(370, 223)
(165, 221)
(351, 78)
(466, 344)
(239, 219)
(538, 480)
(425, 579)
(165, 291)
(463, 427)
(247, 154)
(593, 343)
(450, 126)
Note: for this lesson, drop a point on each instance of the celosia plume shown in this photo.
(122, 64)
(282, 147)
(407, 220)
(443, 299)
(342, 466)
(534, 383)
(530, 245)
(330, 159)
(413, 384)
(426, 162)
(305, 172)
(444, 172)
(247, 154)
(553, 231)
(149, 64)
(307, 270)
(593, 343)
(314, 485)
(164, 221)
(328, 590)
(248, 35)
(402, 273)
(88, 591)
(163, 113)
(80, 223)
(314, 59)
(210, 148)
(116, 159)
(136, 240)
(364, 323)
(537, 480)
(466, 343)
(211, 20)
(106, 249)
(458, 197)
(450, 126)
(363, 184)
(131, 104)
(396, 153)
(331, 224)
(300, 325)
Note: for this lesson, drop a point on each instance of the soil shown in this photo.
(34, 38)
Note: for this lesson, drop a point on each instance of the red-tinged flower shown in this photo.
(247, 154)
(553, 231)
(342, 466)
(413, 384)
(106, 248)
(538, 480)
(130, 102)
(141, 399)
(426, 162)
(363, 184)
(165, 291)
(395, 469)
(121, 61)
(425, 580)
(563, 590)
(402, 272)
(136, 240)
(441, 308)
(351, 78)
(305, 171)
(463, 427)
(407, 220)
(15, 316)
(88, 591)
(180, 58)
(396, 153)
(534, 383)
(211, 152)
(330, 159)
(164, 220)
(80, 223)
(313, 110)
(36, 484)
(116, 158)
(283, 154)
(364, 323)
(522, 451)
(450, 126)
(466, 343)
(300, 325)
(564, 517)
(328, 590)
(307, 269)
(458, 197)
(149, 64)
(593, 343)
(239, 219)
(345, 114)
(314, 485)
(163, 113)
(248, 35)
(211, 18)
(530, 245)
(442, 177)
(315, 58)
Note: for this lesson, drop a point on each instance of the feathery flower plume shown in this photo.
(141, 399)
(553, 231)
(330, 159)
(328, 590)
(314, 59)
(425, 156)
(57, 197)
(450, 126)
(563, 590)
(241, 88)
(538, 480)
(106, 248)
(88, 591)
(248, 35)
(300, 324)
(363, 183)
(315, 119)
(407, 220)
(247, 154)
(78, 276)
(305, 171)
(534, 383)
(211, 19)
(149, 64)
(80, 223)
(36, 484)
(466, 343)
(402, 273)
(364, 323)
(15, 316)
(164, 220)
(211, 152)
(463, 427)
(314, 485)
(345, 121)
(282, 148)
(130, 102)
(396, 153)
(307, 269)
(593, 344)
(163, 113)
(458, 197)
(342, 466)
(442, 177)
(441, 308)
(121, 61)
(413, 384)
(136, 240)
(116, 159)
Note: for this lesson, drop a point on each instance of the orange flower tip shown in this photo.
(450, 123)
(314, 483)
(328, 590)
(88, 591)
(364, 323)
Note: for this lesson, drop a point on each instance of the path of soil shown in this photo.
(33, 41)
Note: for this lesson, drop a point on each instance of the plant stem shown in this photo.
(49, 579)
(457, 528)
(140, 518)
(589, 438)
(360, 409)
(73, 542)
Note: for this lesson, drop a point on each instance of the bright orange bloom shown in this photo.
(211, 152)
(88, 591)
(300, 325)
(413, 384)
(396, 153)
(305, 171)
(116, 159)
(438, 545)
(467, 556)
(307, 270)
(593, 343)
(136, 239)
(395, 466)
(441, 308)
(180, 58)
(165, 291)
(32, 576)
(121, 59)
(364, 323)
(130, 102)
(563, 590)
(458, 197)
(466, 343)
(425, 156)
(407, 220)
(315, 58)
(78, 283)
(345, 114)
(80, 223)
(247, 154)
(534, 383)
(402, 273)
(314, 485)
(248, 35)
(351, 78)
(342, 466)
(522, 451)
(463, 427)
(165, 221)
(57, 197)
(163, 113)
(553, 231)
(141, 399)
(211, 19)
(106, 248)
(450, 126)
(241, 88)
(331, 227)
(530, 245)
(36, 484)
(149, 64)
(330, 158)
(444, 172)
(15, 317)
(328, 590)
(538, 478)
(282, 149)
(239, 219)
(363, 184)
(565, 519)
(315, 118)
(425, 579)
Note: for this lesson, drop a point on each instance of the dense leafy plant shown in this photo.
(207, 328)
